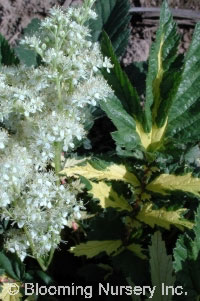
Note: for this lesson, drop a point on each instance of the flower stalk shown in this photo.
(45, 109)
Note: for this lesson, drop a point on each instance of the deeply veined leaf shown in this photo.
(180, 253)
(187, 263)
(126, 136)
(184, 115)
(120, 82)
(166, 182)
(161, 268)
(162, 217)
(108, 197)
(112, 16)
(95, 247)
(162, 55)
(112, 172)
(137, 249)
(186, 127)
(184, 252)
(188, 91)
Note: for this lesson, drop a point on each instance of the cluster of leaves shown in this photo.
(150, 182)
(150, 185)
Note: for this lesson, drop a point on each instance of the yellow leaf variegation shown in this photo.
(157, 81)
(165, 183)
(163, 218)
(152, 139)
(108, 197)
(95, 247)
(145, 138)
(112, 172)
(137, 249)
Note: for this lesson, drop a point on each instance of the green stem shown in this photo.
(57, 162)
(50, 256)
(39, 260)
(57, 158)
(58, 87)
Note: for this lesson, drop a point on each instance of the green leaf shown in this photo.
(12, 266)
(137, 250)
(132, 266)
(161, 268)
(137, 72)
(108, 197)
(113, 17)
(93, 248)
(44, 277)
(163, 54)
(162, 217)
(112, 172)
(187, 261)
(188, 91)
(165, 183)
(184, 116)
(7, 54)
(186, 127)
(126, 136)
(120, 82)
(133, 297)
(27, 56)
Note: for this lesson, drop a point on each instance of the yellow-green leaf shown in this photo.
(157, 81)
(95, 247)
(108, 197)
(137, 249)
(113, 172)
(163, 218)
(153, 139)
(166, 182)
(9, 289)
(145, 138)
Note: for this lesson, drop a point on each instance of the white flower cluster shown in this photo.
(43, 110)
(43, 208)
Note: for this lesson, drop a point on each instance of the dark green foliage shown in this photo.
(161, 268)
(132, 266)
(27, 56)
(126, 136)
(7, 54)
(184, 114)
(187, 261)
(162, 55)
(12, 266)
(114, 18)
(120, 82)
(137, 72)
(172, 95)
(112, 229)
